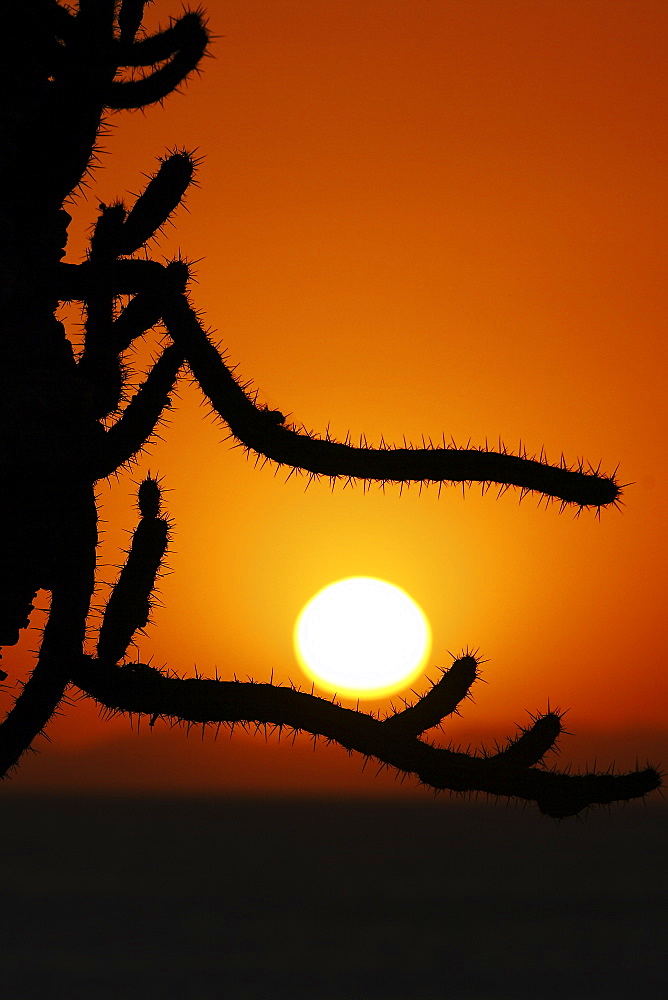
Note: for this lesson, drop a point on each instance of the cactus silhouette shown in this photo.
(65, 424)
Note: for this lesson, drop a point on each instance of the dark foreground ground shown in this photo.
(116, 898)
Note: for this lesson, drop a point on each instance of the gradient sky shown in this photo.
(413, 217)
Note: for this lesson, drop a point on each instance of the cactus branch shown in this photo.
(139, 688)
(258, 431)
(162, 45)
(442, 699)
(182, 46)
(162, 195)
(129, 604)
(532, 743)
(129, 434)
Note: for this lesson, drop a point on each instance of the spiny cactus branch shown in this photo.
(139, 688)
(129, 604)
(531, 744)
(180, 48)
(441, 700)
(121, 442)
(160, 198)
(264, 432)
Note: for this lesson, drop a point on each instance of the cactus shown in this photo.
(65, 424)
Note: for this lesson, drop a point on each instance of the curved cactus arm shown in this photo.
(182, 46)
(139, 688)
(159, 47)
(263, 431)
(532, 743)
(139, 419)
(64, 633)
(442, 699)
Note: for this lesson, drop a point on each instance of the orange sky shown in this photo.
(414, 217)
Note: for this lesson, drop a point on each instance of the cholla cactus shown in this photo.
(65, 425)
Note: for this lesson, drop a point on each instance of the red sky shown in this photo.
(413, 217)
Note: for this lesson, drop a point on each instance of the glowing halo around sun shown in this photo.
(362, 638)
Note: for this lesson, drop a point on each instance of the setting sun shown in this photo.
(362, 638)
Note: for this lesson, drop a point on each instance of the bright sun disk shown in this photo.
(362, 638)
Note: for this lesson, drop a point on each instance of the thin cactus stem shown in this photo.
(139, 688)
(182, 46)
(532, 743)
(121, 442)
(161, 46)
(441, 700)
(129, 604)
(260, 432)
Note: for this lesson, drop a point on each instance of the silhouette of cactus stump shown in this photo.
(65, 424)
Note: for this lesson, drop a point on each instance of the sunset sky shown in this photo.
(414, 217)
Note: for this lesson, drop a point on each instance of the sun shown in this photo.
(362, 638)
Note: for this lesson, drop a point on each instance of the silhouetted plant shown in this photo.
(65, 425)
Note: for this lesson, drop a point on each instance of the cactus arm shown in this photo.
(100, 365)
(442, 699)
(139, 688)
(63, 635)
(139, 418)
(162, 45)
(120, 232)
(160, 198)
(259, 431)
(532, 743)
(129, 604)
(183, 47)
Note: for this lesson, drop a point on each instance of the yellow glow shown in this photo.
(362, 638)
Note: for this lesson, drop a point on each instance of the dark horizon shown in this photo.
(115, 896)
